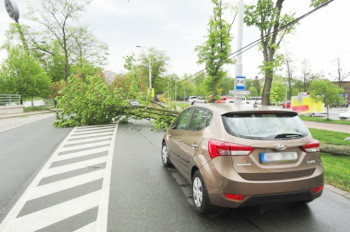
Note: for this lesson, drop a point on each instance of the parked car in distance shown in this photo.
(193, 99)
(134, 103)
(284, 105)
(345, 115)
(225, 100)
(237, 156)
(254, 100)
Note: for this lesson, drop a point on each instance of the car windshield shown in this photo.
(265, 126)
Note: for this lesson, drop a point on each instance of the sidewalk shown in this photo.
(328, 126)
(4, 116)
(11, 121)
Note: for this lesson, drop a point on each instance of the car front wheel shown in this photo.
(165, 157)
(200, 194)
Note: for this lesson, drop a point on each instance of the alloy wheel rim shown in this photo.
(165, 154)
(197, 192)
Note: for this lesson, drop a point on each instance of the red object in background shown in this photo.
(302, 108)
(284, 105)
(224, 99)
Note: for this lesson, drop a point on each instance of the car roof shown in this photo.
(227, 108)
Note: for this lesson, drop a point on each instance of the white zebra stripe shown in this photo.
(89, 145)
(47, 189)
(46, 217)
(80, 154)
(74, 166)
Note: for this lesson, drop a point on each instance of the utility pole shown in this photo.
(239, 65)
(149, 71)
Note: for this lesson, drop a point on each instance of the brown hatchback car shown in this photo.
(243, 155)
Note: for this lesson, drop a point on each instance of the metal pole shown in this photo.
(149, 73)
(184, 92)
(175, 89)
(239, 65)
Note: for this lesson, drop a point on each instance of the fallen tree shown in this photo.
(89, 101)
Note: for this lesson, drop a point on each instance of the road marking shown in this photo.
(88, 228)
(78, 147)
(56, 213)
(46, 217)
(46, 189)
(81, 154)
(71, 167)
(87, 140)
(91, 135)
(93, 132)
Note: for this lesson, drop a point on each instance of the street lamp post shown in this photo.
(149, 71)
(13, 12)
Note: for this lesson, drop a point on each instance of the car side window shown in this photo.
(197, 122)
(183, 119)
(209, 119)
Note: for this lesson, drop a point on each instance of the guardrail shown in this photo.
(10, 99)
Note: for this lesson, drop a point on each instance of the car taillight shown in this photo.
(218, 148)
(314, 146)
(235, 197)
(318, 189)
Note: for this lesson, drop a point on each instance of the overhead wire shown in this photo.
(256, 42)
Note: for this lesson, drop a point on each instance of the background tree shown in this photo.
(325, 91)
(290, 70)
(267, 16)
(341, 75)
(278, 90)
(305, 74)
(159, 65)
(59, 20)
(22, 74)
(216, 50)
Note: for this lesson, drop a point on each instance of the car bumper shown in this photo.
(258, 192)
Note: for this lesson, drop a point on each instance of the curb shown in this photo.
(336, 190)
(26, 114)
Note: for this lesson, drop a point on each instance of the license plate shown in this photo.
(277, 157)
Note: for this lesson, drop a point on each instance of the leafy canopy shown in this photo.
(22, 74)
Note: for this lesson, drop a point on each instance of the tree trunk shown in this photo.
(265, 99)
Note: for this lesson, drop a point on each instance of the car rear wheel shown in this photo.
(165, 157)
(200, 193)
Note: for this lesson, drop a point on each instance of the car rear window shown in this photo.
(265, 125)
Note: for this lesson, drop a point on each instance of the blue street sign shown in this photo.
(240, 83)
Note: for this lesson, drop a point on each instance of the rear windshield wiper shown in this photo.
(288, 135)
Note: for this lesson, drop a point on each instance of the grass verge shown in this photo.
(330, 137)
(313, 119)
(337, 170)
(36, 108)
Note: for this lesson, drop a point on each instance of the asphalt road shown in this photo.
(23, 151)
(143, 195)
(148, 197)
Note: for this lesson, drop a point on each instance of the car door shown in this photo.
(175, 135)
(191, 138)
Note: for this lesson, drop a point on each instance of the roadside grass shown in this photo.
(182, 105)
(36, 108)
(314, 119)
(330, 137)
(337, 170)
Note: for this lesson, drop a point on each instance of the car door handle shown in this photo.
(194, 146)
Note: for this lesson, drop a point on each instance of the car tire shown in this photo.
(164, 155)
(200, 194)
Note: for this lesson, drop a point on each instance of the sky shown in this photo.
(178, 26)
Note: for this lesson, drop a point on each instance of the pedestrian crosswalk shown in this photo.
(71, 192)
